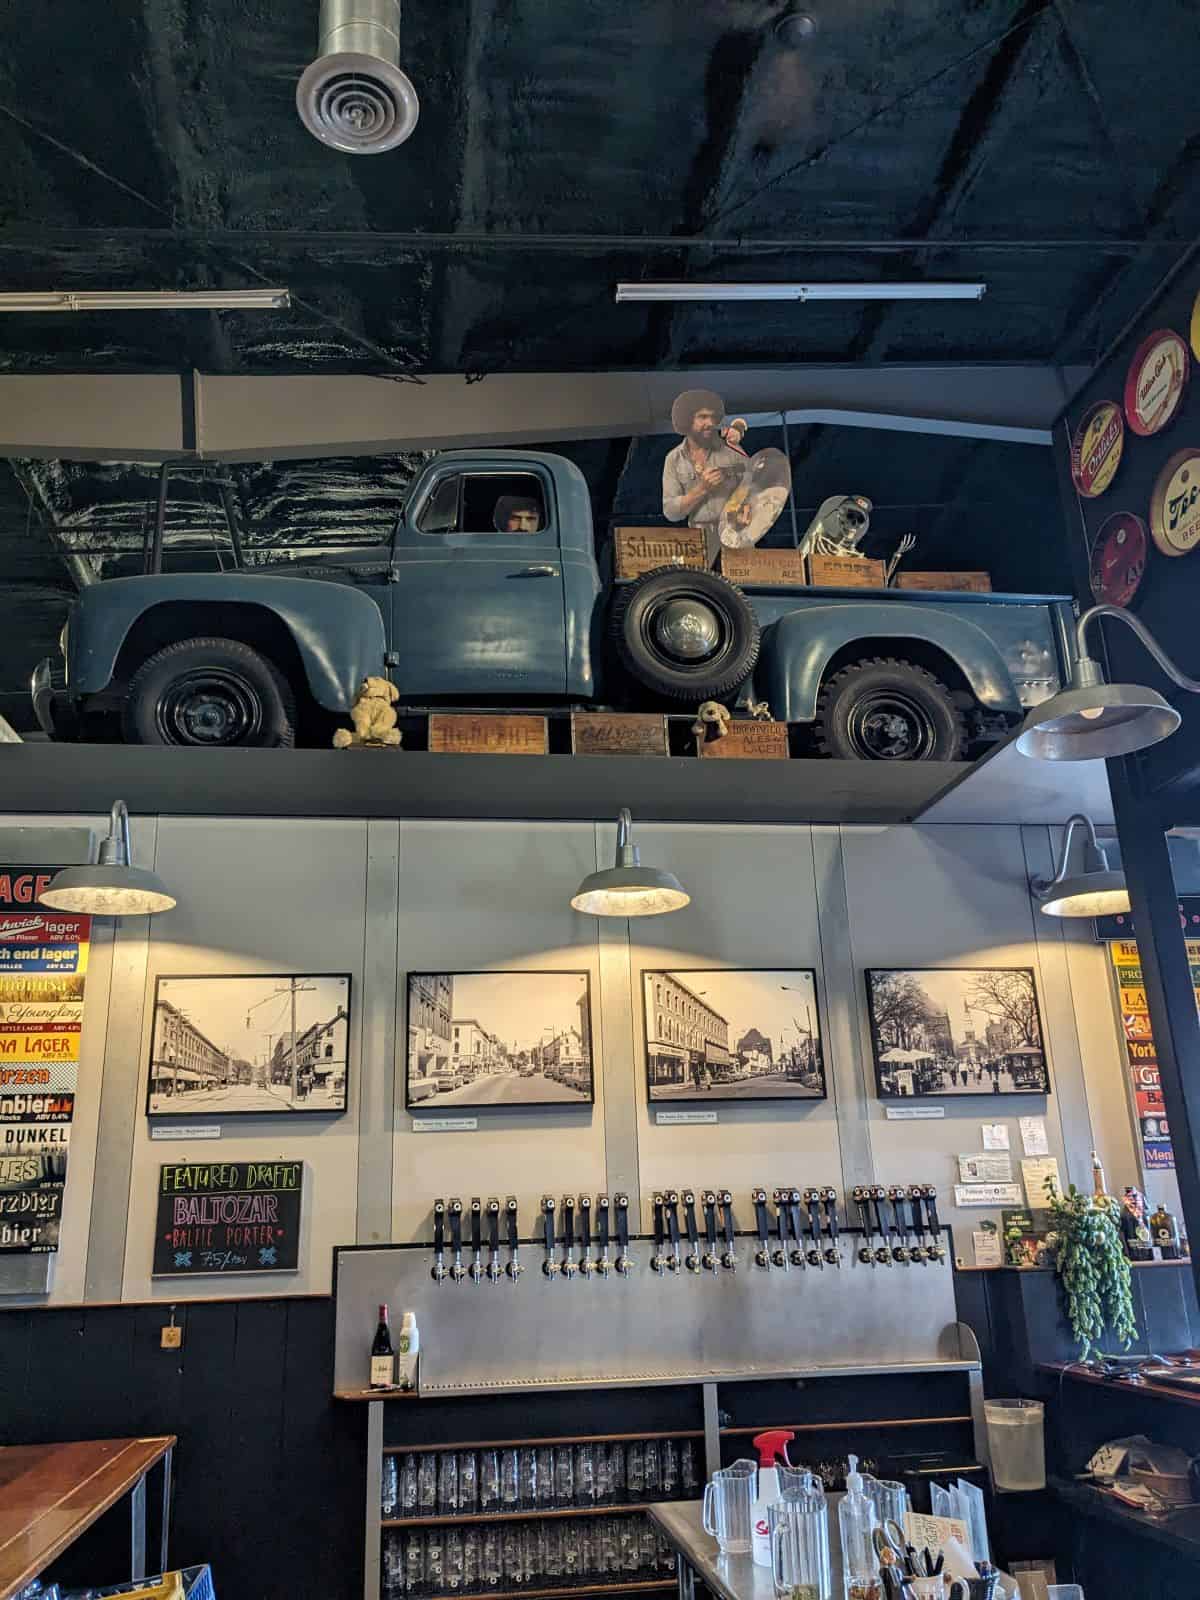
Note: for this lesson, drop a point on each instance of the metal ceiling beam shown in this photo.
(237, 418)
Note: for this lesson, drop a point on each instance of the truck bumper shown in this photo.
(48, 688)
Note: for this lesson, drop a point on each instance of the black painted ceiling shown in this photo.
(1048, 147)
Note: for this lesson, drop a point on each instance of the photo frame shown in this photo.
(723, 1035)
(961, 1031)
(261, 1044)
(509, 1039)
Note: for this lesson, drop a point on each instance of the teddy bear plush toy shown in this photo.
(712, 721)
(372, 715)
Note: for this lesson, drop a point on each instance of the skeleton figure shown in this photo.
(839, 526)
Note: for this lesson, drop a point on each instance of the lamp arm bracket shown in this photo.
(1043, 886)
(1153, 648)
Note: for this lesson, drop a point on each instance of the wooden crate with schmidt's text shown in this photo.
(639, 550)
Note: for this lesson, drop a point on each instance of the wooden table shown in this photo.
(51, 1493)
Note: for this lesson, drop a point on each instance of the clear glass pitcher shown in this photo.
(728, 1498)
(799, 1525)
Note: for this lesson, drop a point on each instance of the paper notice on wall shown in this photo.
(988, 1250)
(985, 1169)
(994, 1135)
(987, 1194)
(1035, 1175)
(1033, 1136)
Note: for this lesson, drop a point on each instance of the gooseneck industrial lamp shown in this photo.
(628, 889)
(1092, 719)
(111, 886)
(1097, 891)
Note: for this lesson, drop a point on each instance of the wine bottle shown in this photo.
(1099, 1192)
(1165, 1231)
(383, 1357)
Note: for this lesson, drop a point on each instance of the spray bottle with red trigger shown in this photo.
(772, 1449)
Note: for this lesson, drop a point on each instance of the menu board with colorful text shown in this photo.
(1140, 1054)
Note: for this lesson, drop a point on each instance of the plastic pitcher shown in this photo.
(1017, 1443)
(728, 1498)
(800, 1562)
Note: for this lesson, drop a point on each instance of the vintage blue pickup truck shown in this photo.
(490, 594)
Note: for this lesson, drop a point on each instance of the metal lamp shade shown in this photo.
(1089, 894)
(108, 891)
(630, 892)
(1093, 722)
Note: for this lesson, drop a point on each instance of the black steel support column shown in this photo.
(1167, 978)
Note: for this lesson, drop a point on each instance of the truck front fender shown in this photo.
(798, 648)
(337, 630)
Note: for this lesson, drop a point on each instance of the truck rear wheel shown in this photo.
(209, 692)
(686, 635)
(885, 710)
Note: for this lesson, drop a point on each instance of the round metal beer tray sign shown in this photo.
(1096, 448)
(1119, 558)
(1155, 382)
(1175, 504)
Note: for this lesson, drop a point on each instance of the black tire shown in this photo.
(885, 710)
(713, 628)
(209, 693)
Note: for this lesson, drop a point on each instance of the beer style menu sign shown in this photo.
(1154, 1132)
(227, 1217)
(43, 967)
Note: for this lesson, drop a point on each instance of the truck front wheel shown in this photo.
(885, 710)
(212, 693)
(685, 635)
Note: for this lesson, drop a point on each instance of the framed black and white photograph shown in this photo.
(956, 1030)
(749, 1034)
(247, 1046)
(479, 1039)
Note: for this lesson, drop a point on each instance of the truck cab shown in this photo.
(489, 593)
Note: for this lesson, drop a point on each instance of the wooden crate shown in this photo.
(468, 733)
(748, 741)
(638, 550)
(947, 582)
(782, 568)
(613, 733)
(846, 572)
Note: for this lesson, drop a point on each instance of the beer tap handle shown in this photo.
(812, 1201)
(900, 1252)
(917, 1224)
(493, 1237)
(457, 1271)
(833, 1253)
(624, 1260)
(586, 1265)
(861, 1198)
(602, 1216)
(929, 1192)
(549, 1205)
(794, 1200)
(512, 1225)
(779, 1256)
(671, 1213)
(762, 1256)
(878, 1195)
(658, 1262)
(692, 1259)
(439, 1241)
(476, 1239)
(709, 1259)
(568, 1261)
(729, 1258)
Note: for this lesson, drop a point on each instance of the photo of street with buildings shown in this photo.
(950, 1031)
(733, 1035)
(245, 1046)
(498, 1039)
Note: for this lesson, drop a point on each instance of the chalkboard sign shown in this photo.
(227, 1216)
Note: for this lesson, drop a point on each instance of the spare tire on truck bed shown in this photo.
(684, 634)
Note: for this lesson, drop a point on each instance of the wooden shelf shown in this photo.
(1143, 1388)
(534, 1444)
(375, 1394)
(847, 1427)
(613, 1508)
(636, 1586)
(1179, 1530)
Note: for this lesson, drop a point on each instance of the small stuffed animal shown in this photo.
(759, 710)
(372, 715)
(711, 715)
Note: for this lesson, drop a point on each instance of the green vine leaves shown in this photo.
(1093, 1267)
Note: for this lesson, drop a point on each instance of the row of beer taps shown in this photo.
(585, 1238)
(911, 1233)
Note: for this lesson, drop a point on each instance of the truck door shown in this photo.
(477, 605)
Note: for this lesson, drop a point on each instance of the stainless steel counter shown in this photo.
(730, 1577)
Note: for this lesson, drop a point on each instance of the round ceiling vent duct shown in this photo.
(354, 95)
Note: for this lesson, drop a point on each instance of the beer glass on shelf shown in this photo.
(544, 1469)
(510, 1552)
(490, 1569)
(447, 1499)
(585, 1475)
(629, 1545)
(616, 1471)
(570, 1552)
(668, 1458)
(408, 1486)
(689, 1472)
(553, 1551)
(531, 1564)
(585, 1537)
(468, 1482)
(427, 1485)
(635, 1469)
(393, 1566)
(564, 1475)
(435, 1566)
(607, 1556)
(489, 1481)
(527, 1478)
(471, 1543)
(391, 1487)
(510, 1486)
(414, 1563)
(452, 1561)
(653, 1471)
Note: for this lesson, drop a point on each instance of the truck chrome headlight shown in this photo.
(62, 638)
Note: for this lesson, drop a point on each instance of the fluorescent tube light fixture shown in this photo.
(146, 300)
(1097, 891)
(800, 291)
(628, 889)
(111, 886)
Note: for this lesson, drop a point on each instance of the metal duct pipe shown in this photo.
(354, 95)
